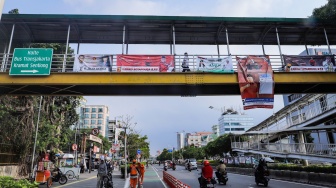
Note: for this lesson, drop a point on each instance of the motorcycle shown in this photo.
(59, 177)
(222, 177)
(174, 166)
(262, 178)
(208, 183)
(107, 180)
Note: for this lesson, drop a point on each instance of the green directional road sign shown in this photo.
(31, 61)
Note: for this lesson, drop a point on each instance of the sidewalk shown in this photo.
(89, 180)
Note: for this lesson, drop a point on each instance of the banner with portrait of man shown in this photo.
(145, 63)
(256, 81)
(309, 63)
(92, 63)
(215, 65)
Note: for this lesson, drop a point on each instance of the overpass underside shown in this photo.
(158, 84)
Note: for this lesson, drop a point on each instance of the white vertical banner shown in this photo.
(116, 135)
(2, 3)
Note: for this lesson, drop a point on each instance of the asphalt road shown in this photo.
(153, 179)
(235, 180)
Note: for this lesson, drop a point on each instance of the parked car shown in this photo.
(193, 163)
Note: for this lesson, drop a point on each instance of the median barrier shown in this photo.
(294, 176)
(172, 182)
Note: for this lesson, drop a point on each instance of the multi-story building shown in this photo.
(96, 116)
(180, 140)
(232, 121)
(199, 139)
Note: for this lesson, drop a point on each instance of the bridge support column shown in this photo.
(302, 146)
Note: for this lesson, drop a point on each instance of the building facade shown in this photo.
(199, 139)
(96, 116)
(232, 121)
(180, 140)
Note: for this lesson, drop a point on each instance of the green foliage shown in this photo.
(14, 11)
(326, 12)
(219, 146)
(9, 182)
(311, 168)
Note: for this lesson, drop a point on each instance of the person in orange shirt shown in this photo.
(142, 171)
(134, 172)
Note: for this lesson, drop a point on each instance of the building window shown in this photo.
(237, 129)
(94, 110)
(87, 110)
(100, 122)
(100, 116)
(93, 122)
(227, 129)
(86, 122)
(93, 116)
(100, 109)
(86, 116)
(99, 127)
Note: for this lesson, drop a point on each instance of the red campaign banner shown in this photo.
(256, 81)
(145, 63)
(309, 63)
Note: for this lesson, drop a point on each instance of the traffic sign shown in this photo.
(74, 147)
(95, 131)
(138, 151)
(31, 61)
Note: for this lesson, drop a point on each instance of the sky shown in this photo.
(161, 117)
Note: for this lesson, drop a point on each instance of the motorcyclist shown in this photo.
(207, 172)
(173, 164)
(189, 166)
(221, 169)
(165, 165)
(261, 168)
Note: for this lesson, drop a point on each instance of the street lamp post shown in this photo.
(125, 154)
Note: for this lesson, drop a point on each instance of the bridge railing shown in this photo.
(65, 63)
(306, 112)
(294, 148)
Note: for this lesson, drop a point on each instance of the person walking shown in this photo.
(142, 171)
(134, 173)
(185, 63)
(102, 171)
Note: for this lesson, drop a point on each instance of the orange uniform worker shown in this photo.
(134, 172)
(142, 171)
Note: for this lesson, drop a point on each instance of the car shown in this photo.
(193, 163)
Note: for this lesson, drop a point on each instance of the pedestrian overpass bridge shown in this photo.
(22, 30)
(274, 136)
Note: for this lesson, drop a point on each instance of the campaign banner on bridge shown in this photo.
(92, 63)
(256, 81)
(145, 63)
(309, 63)
(216, 65)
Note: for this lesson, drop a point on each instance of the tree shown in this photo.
(14, 11)
(326, 12)
(134, 140)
